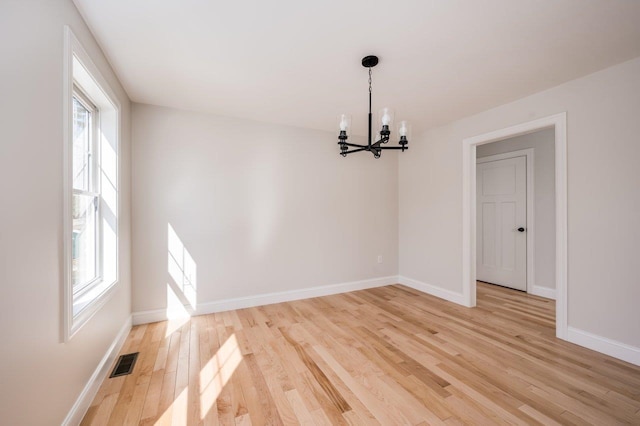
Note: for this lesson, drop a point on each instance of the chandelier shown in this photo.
(385, 120)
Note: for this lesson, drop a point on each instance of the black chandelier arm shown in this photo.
(355, 145)
(404, 148)
(385, 139)
(374, 149)
(377, 145)
(354, 150)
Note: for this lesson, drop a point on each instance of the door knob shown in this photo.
(520, 229)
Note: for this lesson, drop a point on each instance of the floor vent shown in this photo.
(125, 365)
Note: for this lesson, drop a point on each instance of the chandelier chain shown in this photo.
(369, 79)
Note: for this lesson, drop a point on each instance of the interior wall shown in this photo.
(41, 378)
(603, 197)
(543, 143)
(259, 208)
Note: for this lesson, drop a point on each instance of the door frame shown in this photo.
(529, 154)
(559, 123)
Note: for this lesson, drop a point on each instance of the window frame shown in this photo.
(79, 72)
(94, 185)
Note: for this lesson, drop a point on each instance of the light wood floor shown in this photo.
(387, 356)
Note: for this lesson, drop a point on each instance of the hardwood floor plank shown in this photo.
(303, 416)
(329, 389)
(388, 355)
(370, 401)
(267, 405)
(152, 400)
(104, 410)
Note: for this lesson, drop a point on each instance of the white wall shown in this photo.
(603, 197)
(40, 377)
(543, 145)
(261, 208)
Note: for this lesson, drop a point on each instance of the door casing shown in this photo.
(559, 123)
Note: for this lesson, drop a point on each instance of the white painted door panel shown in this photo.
(501, 195)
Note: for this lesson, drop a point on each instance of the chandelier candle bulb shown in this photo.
(344, 122)
(386, 118)
(344, 125)
(402, 128)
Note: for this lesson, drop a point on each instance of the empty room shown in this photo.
(319, 213)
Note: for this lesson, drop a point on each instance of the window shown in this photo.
(86, 236)
(90, 189)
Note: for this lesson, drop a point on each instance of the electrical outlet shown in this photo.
(379, 258)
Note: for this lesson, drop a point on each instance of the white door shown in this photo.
(501, 212)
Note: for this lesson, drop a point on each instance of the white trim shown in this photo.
(433, 290)
(145, 317)
(104, 293)
(92, 79)
(604, 345)
(558, 122)
(562, 298)
(529, 154)
(82, 404)
(67, 179)
(546, 292)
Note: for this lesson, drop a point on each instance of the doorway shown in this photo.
(469, 268)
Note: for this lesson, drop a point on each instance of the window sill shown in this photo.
(89, 304)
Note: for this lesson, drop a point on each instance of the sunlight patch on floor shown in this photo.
(217, 372)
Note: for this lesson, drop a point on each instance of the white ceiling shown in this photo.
(297, 62)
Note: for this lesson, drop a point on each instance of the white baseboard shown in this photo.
(604, 345)
(83, 402)
(442, 293)
(145, 317)
(549, 293)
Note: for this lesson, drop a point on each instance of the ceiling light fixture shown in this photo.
(385, 118)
